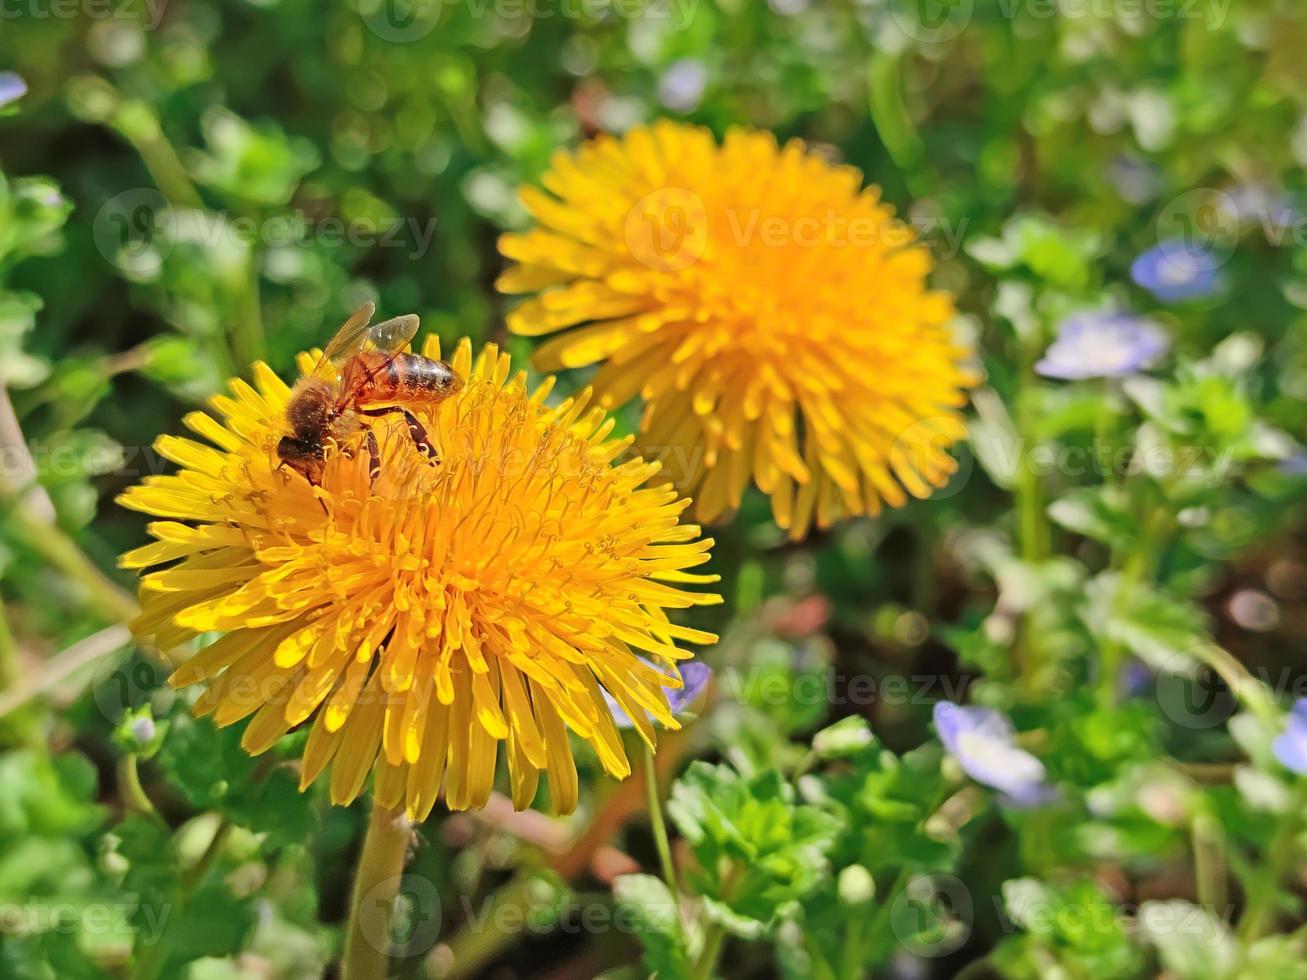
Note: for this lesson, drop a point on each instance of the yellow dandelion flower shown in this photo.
(418, 621)
(772, 314)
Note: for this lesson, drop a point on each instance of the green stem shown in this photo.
(1209, 862)
(890, 114)
(1265, 886)
(851, 953)
(878, 920)
(249, 343)
(1032, 521)
(152, 961)
(715, 937)
(712, 949)
(60, 551)
(34, 522)
(656, 821)
(376, 883)
(1250, 692)
(1033, 537)
(140, 126)
(1102, 449)
(1139, 568)
(9, 666)
(474, 947)
(129, 785)
(201, 867)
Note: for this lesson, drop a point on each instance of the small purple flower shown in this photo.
(680, 88)
(143, 729)
(694, 678)
(12, 88)
(1137, 181)
(1291, 746)
(1175, 270)
(1101, 344)
(984, 744)
(1262, 206)
(1135, 678)
(1295, 465)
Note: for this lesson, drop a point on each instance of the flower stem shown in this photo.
(1032, 530)
(129, 785)
(468, 953)
(9, 668)
(890, 114)
(1209, 862)
(376, 883)
(59, 550)
(851, 955)
(657, 822)
(1259, 911)
(152, 961)
(712, 949)
(34, 522)
(1139, 568)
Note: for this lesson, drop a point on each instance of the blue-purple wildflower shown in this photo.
(12, 87)
(983, 742)
(1103, 344)
(1291, 746)
(695, 676)
(1177, 270)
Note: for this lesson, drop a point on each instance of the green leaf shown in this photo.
(846, 737)
(1101, 513)
(1192, 944)
(213, 922)
(258, 164)
(657, 921)
(1157, 628)
(757, 851)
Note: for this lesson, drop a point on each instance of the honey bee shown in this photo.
(362, 375)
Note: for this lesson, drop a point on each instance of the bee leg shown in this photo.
(416, 431)
(374, 455)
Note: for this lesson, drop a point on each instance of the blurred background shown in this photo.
(187, 186)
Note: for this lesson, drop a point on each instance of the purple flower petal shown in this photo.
(984, 744)
(695, 676)
(1176, 270)
(1098, 344)
(12, 87)
(1291, 746)
(1135, 180)
(681, 86)
(1261, 206)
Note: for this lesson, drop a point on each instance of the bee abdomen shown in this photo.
(421, 378)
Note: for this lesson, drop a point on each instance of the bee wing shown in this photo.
(391, 336)
(350, 338)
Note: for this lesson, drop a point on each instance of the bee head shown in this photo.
(309, 411)
(305, 458)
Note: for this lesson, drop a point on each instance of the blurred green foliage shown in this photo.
(188, 187)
